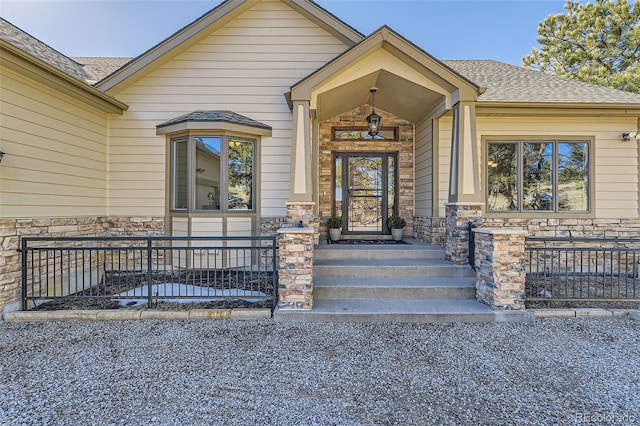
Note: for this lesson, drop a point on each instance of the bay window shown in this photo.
(538, 176)
(213, 173)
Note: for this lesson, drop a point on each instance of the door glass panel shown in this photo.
(337, 200)
(365, 187)
(391, 183)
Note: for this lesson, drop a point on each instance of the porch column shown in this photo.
(300, 207)
(300, 188)
(500, 268)
(465, 200)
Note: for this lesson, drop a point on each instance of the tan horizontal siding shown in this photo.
(56, 152)
(423, 169)
(247, 67)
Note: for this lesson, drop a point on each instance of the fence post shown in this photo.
(149, 275)
(23, 250)
(274, 266)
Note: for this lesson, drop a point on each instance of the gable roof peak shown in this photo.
(226, 11)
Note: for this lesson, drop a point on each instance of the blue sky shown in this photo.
(504, 30)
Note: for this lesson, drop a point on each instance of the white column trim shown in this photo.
(469, 172)
(299, 176)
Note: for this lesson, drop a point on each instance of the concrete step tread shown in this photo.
(407, 310)
(395, 282)
(404, 306)
(368, 263)
(379, 247)
(379, 252)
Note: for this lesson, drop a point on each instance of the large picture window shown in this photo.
(213, 173)
(545, 176)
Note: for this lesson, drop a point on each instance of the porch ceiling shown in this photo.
(395, 95)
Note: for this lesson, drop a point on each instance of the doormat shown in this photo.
(366, 242)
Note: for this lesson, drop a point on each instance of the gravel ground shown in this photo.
(578, 371)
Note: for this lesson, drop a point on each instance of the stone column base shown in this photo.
(295, 277)
(301, 214)
(500, 268)
(458, 216)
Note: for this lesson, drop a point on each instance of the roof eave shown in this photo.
(564, 108)
(328, 21)
(33, 67)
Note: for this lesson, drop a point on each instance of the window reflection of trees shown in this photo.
(240, 174)
(552, 175)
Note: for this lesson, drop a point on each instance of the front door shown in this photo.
(365, 191)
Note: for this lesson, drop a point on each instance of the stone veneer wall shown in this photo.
(11, 230)
(570, 227)
(500, 268)
(404, 148)
(457, 230)
(269, 225)
(430, 230)
(302, 213)
(295, 276)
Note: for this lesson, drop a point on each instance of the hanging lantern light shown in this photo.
(373, 119)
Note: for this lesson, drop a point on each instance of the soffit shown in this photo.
(395, 94)
(410, 81)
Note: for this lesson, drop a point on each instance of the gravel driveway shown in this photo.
(579, 371)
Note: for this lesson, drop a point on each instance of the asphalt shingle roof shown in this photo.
(510, 83)
(216, 116)
(504, 82)
(33, 46)
(98, 68)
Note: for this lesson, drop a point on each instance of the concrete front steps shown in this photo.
(393, 283)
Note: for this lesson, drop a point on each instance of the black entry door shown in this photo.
(365, 191)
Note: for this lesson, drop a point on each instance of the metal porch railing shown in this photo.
(589, 269)
(149, 270)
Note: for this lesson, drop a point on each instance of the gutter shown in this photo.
(563, 108)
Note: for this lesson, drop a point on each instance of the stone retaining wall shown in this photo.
(11, 230)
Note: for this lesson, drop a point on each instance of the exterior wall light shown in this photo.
(1, 155)
(373, 119)
(627, 136)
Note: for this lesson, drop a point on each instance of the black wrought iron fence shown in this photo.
(150, 270)
(590, 269)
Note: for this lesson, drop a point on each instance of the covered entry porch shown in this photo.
(339, 169)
